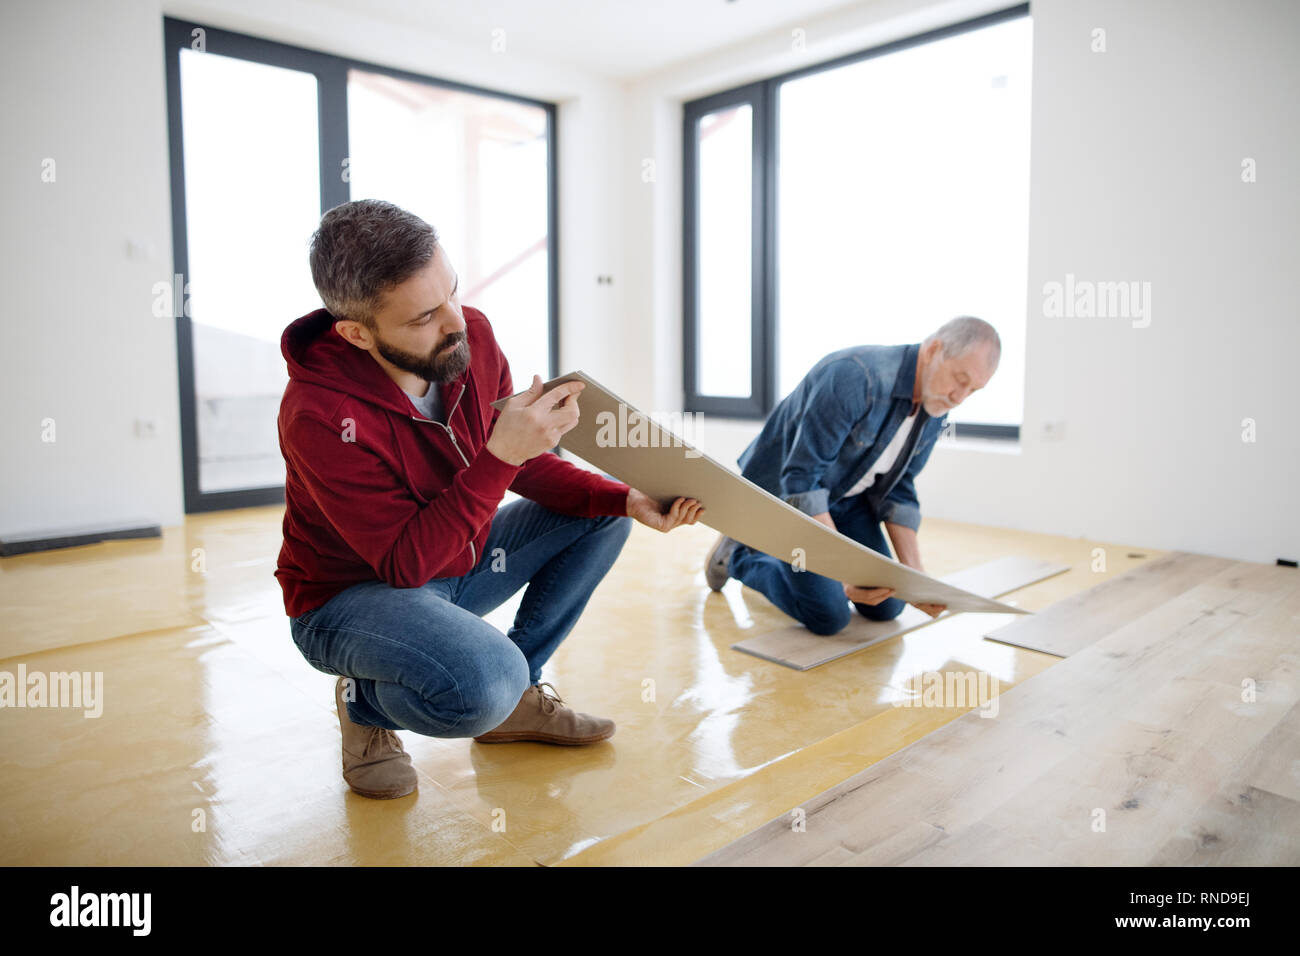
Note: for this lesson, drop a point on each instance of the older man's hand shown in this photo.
(934, 610)
(871, 596)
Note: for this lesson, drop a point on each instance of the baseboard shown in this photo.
(73, 538)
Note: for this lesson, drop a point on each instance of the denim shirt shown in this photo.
(825, 434)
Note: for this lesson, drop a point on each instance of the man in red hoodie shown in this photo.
(394, 545)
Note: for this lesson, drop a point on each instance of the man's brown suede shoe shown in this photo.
(543, 717)
(375, 764)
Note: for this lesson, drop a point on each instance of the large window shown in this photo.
(265, 137)
(476, 167)
(891, 194)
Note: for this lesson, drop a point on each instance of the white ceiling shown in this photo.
(613, 38)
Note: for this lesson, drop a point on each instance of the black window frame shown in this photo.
(764, 96)
(331, 71)
(762, 334)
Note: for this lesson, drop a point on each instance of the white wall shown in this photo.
(86, 86)
(1135, 175)
(1136, 163)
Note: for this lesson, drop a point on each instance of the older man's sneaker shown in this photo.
(375, 764)
(542, 716)
(717, 567)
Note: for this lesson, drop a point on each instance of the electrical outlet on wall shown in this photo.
(1053, 430)
(138, 248)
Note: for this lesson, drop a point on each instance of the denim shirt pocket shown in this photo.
(863, 434)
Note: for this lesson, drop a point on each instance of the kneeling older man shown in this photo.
(394, 545)
(845, 447)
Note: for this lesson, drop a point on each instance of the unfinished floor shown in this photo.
(219, 745)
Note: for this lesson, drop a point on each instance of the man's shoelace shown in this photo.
(549, 701)
(383, 740)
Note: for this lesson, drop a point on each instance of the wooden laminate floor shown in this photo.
(1173, 738)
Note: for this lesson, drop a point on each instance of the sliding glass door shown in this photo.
(252, 191)
(264, 138)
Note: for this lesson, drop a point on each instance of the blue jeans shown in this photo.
(424, 659)
(815, 601)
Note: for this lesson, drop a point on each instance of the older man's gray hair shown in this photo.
(958, 336)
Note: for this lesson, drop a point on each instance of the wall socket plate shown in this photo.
(1053, 430)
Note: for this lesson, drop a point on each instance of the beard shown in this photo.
(440, 366)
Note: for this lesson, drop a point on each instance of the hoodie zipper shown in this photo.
(455, 444)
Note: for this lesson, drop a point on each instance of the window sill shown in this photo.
(999, 446)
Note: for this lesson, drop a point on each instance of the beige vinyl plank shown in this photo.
(1250, 828)
(1079, 620)
(796, 647)
(628, 444)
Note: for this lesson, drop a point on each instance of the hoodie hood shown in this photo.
(317, 355)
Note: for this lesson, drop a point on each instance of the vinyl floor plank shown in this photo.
(1143, 747)
(1077, 621)
(797, 647)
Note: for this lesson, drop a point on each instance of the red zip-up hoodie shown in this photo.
(374, 491)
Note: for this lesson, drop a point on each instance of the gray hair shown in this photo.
(362, 249)
(958, 336)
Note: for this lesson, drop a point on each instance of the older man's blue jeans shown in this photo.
(424, 659)
(815, 601)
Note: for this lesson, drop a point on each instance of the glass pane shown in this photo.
(252, 201)
(904, 201)
(475, 168)
(725, 140)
